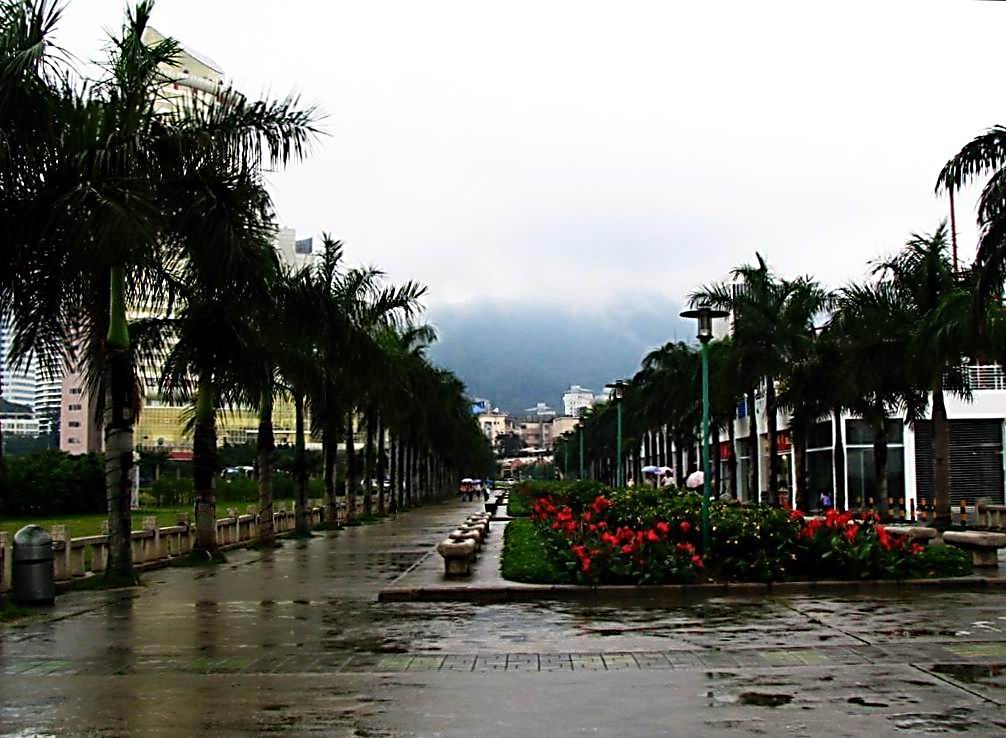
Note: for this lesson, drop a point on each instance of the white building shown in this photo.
(576, 399)
(17, 385)
(977, 471)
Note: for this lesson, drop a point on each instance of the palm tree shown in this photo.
(938, 329)
(104, 218)
(771, 316)
(983, 157)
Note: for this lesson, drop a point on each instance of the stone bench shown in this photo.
(983, 546)
(458, 557)
(466, 535)
(916, 533)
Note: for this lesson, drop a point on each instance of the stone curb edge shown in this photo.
(534, 592)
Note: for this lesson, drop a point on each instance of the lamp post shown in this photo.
(705, 314)
(618, 392)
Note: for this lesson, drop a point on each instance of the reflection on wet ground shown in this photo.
(293, 642)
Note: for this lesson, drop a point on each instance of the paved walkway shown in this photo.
(293, 642)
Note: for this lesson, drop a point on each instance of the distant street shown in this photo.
(294, 643)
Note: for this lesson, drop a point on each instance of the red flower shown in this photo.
(796, 515)
(884, 538)
(917, 548)
(685, 527)
(628, 549)
(662, 528)
(609, 539)
(697, 561)
(652, 536)
(585, 565)
(600, 504)
(850, 532)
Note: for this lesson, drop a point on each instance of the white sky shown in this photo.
(580, 150)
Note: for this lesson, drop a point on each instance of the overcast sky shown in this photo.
(579, 150)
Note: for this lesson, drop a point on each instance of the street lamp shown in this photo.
(705, 314)
(618, 392)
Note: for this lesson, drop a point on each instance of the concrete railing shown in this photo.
(152, 545)
(990, 517)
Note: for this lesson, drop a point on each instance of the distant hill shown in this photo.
(519, 353)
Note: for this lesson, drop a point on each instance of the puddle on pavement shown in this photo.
(954, 720)
(764, 699)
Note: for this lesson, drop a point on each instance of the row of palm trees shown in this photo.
(887, 347)
(113, 198)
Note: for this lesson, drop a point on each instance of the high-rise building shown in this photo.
(17, 383)
(576, 399)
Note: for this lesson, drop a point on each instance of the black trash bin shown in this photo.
(33, 573)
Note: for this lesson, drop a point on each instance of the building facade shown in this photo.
(576, 399)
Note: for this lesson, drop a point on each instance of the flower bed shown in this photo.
(596, 535)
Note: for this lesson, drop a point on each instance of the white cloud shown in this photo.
(528, 147)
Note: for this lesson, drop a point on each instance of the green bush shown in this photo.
(526, 557)
(53, 483)
(942, 561)
(644, 535)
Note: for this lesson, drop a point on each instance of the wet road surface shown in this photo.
(292, 642)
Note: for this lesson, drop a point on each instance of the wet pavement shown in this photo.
(293, 642)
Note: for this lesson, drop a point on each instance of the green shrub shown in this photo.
(942, 561)
(644, 535)
(753, 544)
(53, 483)
(526, 557)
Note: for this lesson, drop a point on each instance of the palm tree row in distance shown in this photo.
(889, 346)
(111, 197)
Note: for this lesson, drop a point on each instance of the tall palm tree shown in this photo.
(984, 157)
(937, 331)
(771, 316)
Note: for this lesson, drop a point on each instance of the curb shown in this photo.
(572, 592)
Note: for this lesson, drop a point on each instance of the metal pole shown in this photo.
(581, 452)
(706, 480)
(619, 482)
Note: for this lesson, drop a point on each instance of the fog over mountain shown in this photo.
(518, 353)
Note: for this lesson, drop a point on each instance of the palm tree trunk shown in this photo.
(266, 454)
(410, 476)
(403, 472)
(754, 489)
(941, 458)
(773, 442)
(637, 477)
(380, 464)
(300, 467)
(679, 461)
(204, 466)
(393, 474)
(880, 461)
(330, 454)
(838, 459)
(350, 467)
(732, 459)
(118, 432)
(799, 435)
(714, 457)
(368, 465)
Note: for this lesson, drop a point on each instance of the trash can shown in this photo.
(33, 573)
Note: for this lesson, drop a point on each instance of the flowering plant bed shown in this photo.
(590, 534)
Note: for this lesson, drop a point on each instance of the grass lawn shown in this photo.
(525, 558)
(90, 525)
